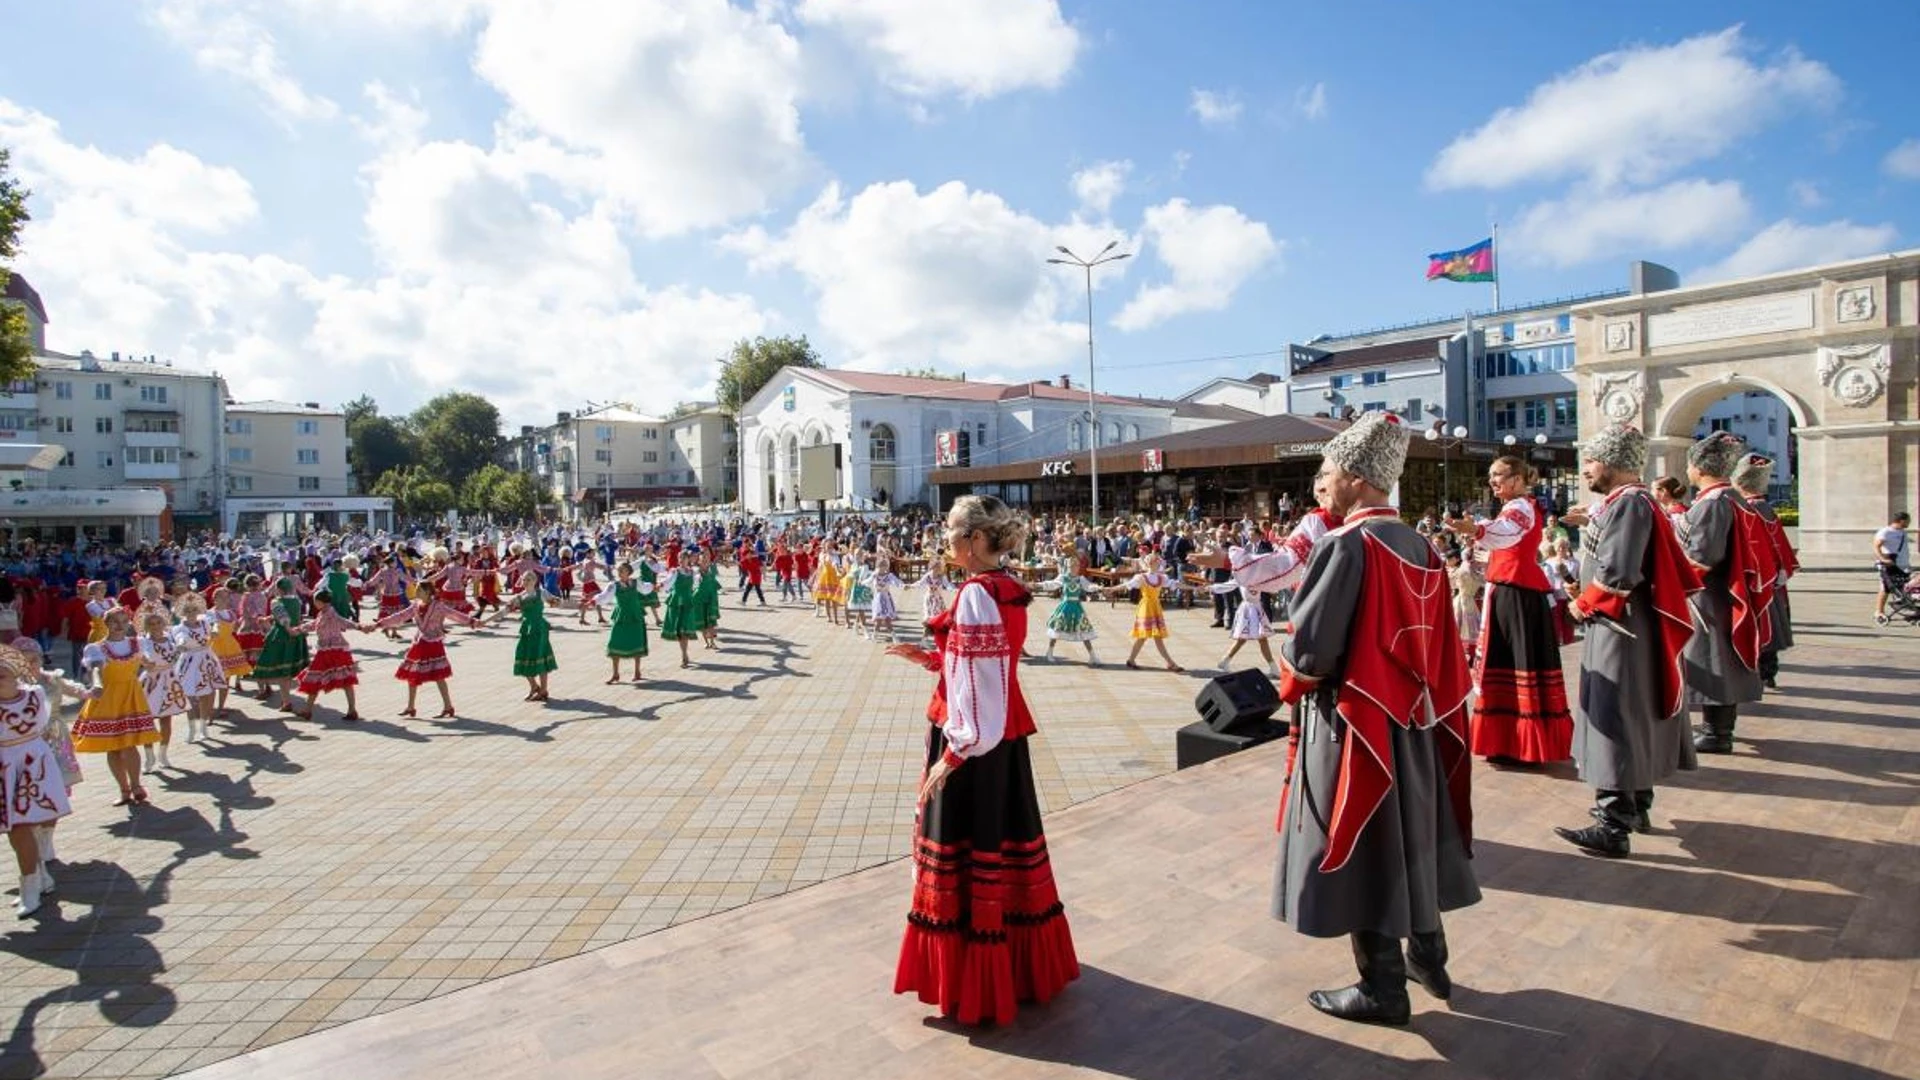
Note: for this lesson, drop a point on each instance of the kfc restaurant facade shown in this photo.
(1239, 470)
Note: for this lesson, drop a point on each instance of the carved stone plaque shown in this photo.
(1856, 375)
(1619, 337)
(1853, 304)
(1736, 318)
(1619, 396)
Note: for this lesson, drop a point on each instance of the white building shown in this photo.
(889, 428)
(613, 456)
(1766, 424)
(703, 451)
(287, 472)
(128, 424)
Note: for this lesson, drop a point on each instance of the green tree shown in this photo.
(16, 343)
(750, 364)
(478, 493)
(516, 498)
(932, 373)
(375, 443)
(457, 434)
(415, 491)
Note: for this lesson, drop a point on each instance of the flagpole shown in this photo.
(1496, 266)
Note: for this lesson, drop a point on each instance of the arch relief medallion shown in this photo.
(1619, 396)
(1856, 375)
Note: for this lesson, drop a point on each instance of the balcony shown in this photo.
(25, 400)
(165, 471)
(153, 438)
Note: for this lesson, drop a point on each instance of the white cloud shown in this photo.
(224, 36)
(443, 15)
(951, 276)
(1788, 245)
(682, 113)
(1807, 194)
(1211, 251)
(1311, 101)
(392, 123)
(975, 49)
(1635, 115)
(1215, 108)
(1097, 185)
(480, 286)
(1903, 161)
(1591, 225)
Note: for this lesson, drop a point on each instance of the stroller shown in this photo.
(1903, 596)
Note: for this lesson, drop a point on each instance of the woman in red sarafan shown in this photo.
(987, 930)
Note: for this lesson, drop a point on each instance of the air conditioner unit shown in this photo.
(189, 454)
(126, 382)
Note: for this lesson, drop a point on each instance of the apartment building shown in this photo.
(605, 457)
(703, 452)
(286, 469)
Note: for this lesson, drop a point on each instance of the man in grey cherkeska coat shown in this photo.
(1719, 677)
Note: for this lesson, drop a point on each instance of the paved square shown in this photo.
(294, 875)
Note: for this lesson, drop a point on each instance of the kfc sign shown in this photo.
(1153, 460)
(946, 449)
(1063, 467)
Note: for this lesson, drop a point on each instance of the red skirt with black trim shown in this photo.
(987, 931)
(426, 662)
(330, 669)
(392, 603)
(457, 600)
(251, 642)
(1522, 711)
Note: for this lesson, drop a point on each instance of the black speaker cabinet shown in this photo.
(1197, 743)
(1237, 701)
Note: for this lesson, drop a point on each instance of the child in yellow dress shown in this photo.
(226, 644)
(1149, 619)
(117, 722)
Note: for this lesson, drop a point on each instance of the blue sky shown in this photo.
(556, 201)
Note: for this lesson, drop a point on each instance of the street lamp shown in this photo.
(1447, 442)
(1093, 408)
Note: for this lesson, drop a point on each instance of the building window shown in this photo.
(239, 483)
(239, 455)
(1076, 436)
(63, 390)
(650, 479)
(67, 461)
(103, 458)
(239, 426)
(1415, 411)
(1563, 414)
(15, 421)
(1536, 413)
(603, 432)
(309, 483)
(601, 480)
(153, 395)
(1506, 416)
(306, 457)
(653, 433)
(1133, 432)
(1373, 406)
(63, 425)
(881, 444)
(153, 455)
(1724, 423)
(103, 425)
(649, 455)
(1340, 382)
(1374, 378)
(102, 391)
(154, 425)
(306, 427)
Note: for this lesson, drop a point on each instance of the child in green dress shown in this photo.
(628, 639)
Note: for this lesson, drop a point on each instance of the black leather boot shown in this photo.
(1643, 812)
(1716, 737)
(1607, 837)
(1427, 962)
(1380, 997)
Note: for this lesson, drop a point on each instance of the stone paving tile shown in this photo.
(294, 875)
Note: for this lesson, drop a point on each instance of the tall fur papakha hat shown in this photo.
(1374, 449)
(1718, 454)
(1754, 473)
(1621, 446)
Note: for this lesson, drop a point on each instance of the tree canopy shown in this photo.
(415, 491)
(375, 443)
(16, 342)
(750, 364)
(457, 434)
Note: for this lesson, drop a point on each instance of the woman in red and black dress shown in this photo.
(986, 930)
(1522, 713)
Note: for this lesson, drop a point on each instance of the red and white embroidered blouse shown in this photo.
(977, 702)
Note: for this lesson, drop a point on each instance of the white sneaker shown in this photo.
(146, 754)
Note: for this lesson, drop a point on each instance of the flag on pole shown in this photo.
(1468, 264)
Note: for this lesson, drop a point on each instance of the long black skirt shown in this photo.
(1522, 709)
(987, 930)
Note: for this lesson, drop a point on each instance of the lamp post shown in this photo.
(1093, 408)
(1447, 442)
(1512, 440)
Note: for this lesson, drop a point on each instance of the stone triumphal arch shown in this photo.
(1837, 344)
